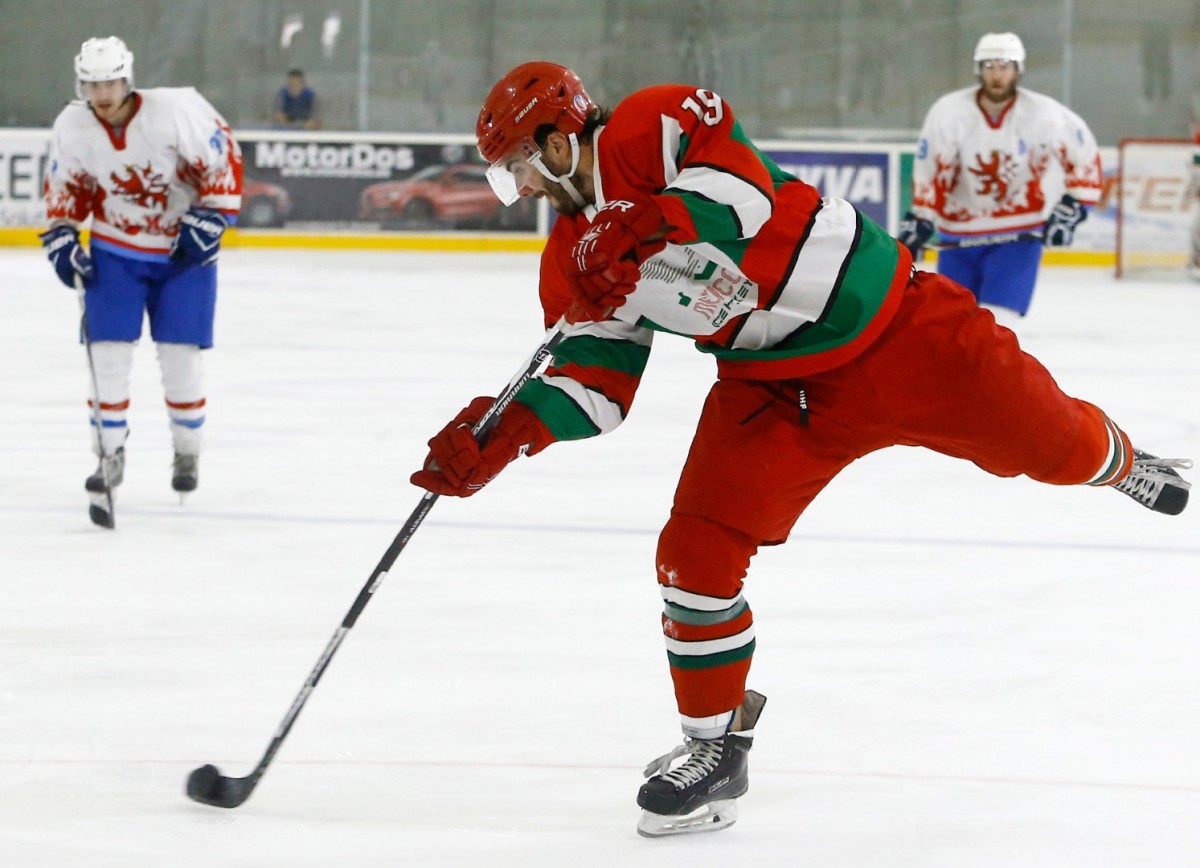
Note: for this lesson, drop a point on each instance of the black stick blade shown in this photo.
(208, 786)
(101, 515)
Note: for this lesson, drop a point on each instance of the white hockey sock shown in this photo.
(713, 726)
(113, 361)
(183, 389)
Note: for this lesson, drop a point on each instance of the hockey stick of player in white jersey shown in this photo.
(100, 493)
(986, 240)
(206, 784)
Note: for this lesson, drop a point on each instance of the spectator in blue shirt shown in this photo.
(296, 103)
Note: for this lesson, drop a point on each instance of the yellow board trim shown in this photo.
(464, 242)
(1091, 258)
(460, 242)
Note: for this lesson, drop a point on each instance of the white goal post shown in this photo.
(1158, 208)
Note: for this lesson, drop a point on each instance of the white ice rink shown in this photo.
(962, 671)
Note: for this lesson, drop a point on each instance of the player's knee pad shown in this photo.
(182, 371)
(113, 362)
(703, 557)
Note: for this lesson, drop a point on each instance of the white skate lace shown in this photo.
(704, 758)
(1148, 476)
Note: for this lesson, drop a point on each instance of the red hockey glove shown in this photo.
(604, 261)
(458, 466)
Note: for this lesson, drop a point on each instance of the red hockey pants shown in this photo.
(941, 375)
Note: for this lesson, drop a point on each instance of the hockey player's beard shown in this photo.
(998, 95)
(561, 201)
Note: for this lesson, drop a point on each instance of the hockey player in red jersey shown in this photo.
(160, 176)
(828, 346)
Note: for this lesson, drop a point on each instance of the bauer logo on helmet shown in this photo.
(528, 106)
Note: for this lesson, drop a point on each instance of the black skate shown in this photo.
(110, 472)
(700, 795)
(185, 473)
(1154, 484)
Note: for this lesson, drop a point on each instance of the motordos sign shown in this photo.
(325, 160)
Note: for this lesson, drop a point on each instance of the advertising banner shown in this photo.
(327, 181)
(319, 182)
(23, 158)
(381, 183)
(859, 177)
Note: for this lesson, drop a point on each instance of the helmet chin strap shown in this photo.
(564, 181)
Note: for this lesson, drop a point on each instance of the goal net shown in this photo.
(1158, 227)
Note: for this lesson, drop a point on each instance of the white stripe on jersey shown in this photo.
(751, 206)
(606, 415)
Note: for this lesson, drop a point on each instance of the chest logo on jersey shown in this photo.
(720, 296)
(994, 174)
(141, 186)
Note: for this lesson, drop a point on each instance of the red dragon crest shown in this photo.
(993, 175)
(142, 186)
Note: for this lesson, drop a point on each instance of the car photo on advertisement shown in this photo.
(263, 204)
(442, 195)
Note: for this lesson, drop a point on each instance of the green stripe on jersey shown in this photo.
(565, 419)
(778, 176)
(591, 351)
(684, 141)
(714, 219)
(711, 219)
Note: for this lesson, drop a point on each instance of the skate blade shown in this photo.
(710, 818)
(98, 510)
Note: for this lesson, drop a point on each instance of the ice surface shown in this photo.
(962, 670)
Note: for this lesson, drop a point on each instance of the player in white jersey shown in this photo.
(990, 163)
(160, 176)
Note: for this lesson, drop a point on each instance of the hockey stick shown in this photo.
(986, 240)
(206, 784)
(97, 513)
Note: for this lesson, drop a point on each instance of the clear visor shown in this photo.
(514, 172)
(85, 89)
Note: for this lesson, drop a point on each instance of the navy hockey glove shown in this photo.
(458, 465)
(1064, 217)
(199, 238)
(67, 255)
(914, 233)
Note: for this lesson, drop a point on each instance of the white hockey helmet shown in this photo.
(1000, 46)
(103, 58)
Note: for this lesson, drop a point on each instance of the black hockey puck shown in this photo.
(203, 784)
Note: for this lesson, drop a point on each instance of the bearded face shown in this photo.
(999, 79)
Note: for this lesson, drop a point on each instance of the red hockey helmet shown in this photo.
(527, 97)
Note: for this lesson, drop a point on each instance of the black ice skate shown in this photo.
(185, 473)
(1155, 485)
(700, 795)
(110, 472)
